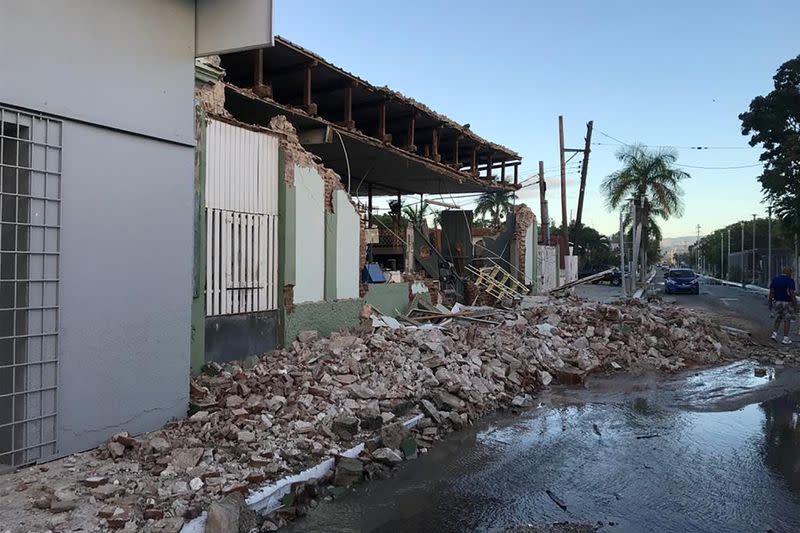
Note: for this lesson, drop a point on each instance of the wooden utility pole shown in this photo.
(584, 171)
(542, 202)
(564, 221)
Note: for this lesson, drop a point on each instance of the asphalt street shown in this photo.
(743, 308)
(734, 306)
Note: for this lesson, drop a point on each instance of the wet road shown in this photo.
(743, 308)
(712, 451)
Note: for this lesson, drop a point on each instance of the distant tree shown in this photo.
(416, 215)
(595, 248)
(774, 122)
(651, 179)
(495, 204)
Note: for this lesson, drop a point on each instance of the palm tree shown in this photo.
(495, 204)
(416, 215)
(650, 178)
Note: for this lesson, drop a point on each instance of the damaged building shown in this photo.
(294, 155)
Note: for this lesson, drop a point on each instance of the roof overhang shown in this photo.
(398, 143)
(364, 161)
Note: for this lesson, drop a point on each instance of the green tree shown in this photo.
(595, 248)
(416, 215)
(495, 204)
(774, 122)
(650, 178)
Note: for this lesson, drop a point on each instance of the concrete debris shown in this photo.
(230, 515)
(348, 471)
(524, 400)
(387, 456)
(296, 407)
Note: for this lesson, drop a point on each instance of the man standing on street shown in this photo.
(783, 300)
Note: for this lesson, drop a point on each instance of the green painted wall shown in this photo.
(286, 242)
(386, 297)
(330, 256)
(324, 317)
(198, 334)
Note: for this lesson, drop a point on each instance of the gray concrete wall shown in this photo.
(124, 64)
(125, 284)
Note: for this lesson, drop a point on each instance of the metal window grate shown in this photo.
(30, 218)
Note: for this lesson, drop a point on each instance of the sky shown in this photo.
(659, 73)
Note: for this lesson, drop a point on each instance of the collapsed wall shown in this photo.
(524, 219)
(325, 242)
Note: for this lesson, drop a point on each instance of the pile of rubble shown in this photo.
(260, 420)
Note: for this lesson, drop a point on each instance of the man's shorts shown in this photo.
(783, 310)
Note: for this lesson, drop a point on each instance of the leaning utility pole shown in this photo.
(697, 248)
(584, 171)
(634, 245)
(543, 203)
(754, 249)
(564, 221)
(622, 253)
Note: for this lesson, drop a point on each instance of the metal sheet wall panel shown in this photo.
(242, 226)
(242, 169)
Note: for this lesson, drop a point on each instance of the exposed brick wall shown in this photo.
(524, 219)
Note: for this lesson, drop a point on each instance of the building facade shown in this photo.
(98, 158)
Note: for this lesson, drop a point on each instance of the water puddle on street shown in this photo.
(712, 450)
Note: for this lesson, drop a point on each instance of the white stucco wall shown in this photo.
(347, 246)
(547, 267)
(309, 235)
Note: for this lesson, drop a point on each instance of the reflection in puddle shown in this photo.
(634, 461)
(781, 447)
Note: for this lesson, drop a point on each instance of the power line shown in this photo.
(672, 146)
(720, 168)
(682, 147)
(612, 138)
(732, 167)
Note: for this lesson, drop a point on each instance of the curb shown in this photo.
(749, 287)
(268, 498)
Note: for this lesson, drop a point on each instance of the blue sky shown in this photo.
(661, 73)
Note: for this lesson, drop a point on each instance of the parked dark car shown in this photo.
(612, 278)
(681, 280)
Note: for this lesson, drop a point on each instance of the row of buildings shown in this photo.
(179, 186)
